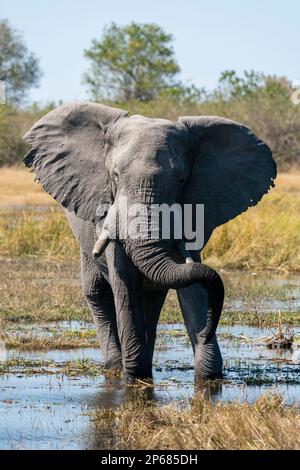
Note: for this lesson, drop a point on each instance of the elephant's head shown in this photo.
(87, 155)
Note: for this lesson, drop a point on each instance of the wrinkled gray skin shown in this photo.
(88, 154)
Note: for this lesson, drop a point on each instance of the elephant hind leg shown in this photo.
(100, 300)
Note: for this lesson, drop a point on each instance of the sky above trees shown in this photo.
(209, 37)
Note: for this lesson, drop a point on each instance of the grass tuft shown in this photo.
(265, 425)
(68, 339)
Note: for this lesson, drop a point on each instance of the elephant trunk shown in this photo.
(154, 260)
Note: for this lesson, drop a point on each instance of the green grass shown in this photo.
(258, 319)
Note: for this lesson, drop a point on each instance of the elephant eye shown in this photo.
(116, 176)
(181, 181)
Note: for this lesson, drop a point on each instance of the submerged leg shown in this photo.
(127, 286)
(153, 303)
(193, 303)
(100, 300)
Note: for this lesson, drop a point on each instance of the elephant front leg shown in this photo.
(153, 303)
(100, 300)
(208, 359)
(127, 285)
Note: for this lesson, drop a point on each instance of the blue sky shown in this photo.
(209, 36)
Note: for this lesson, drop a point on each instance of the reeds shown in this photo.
(283, 338)
(266, 424)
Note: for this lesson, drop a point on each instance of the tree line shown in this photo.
(135, 67)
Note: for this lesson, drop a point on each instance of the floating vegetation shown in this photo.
(283, 339)
(68, 339)
(75, 368)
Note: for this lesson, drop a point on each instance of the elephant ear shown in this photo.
(68, 155)
(231, 169)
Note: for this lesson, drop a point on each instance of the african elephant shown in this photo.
(88, 155)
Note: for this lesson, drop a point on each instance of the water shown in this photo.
(268, 293)
(44, 410)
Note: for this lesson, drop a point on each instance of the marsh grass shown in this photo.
(69, 339)
(73, 368)
(260, 319)
(261, 285)
(265, 237)
(283, 338)
(266, 424)
(42, 290)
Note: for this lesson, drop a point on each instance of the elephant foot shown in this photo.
(204, 377)
(114, 364)
(137, 370)
(146, 382)
(204, 374)
(207, 389)
(208, 361)
(139, 376)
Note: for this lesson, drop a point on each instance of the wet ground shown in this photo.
(257, 292)
(45, 405)
(47, 396)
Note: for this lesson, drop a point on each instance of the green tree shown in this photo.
(131, 62)
(19, 68)
(232, 86)
(252, 84)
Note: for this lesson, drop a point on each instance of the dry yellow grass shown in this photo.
(289, 182)
(18, 188)
(265, 425)
(265, 237)
(30, 233)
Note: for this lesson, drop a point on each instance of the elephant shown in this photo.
(89, 155)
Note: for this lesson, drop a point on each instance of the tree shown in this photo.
(19, 68)
(232, 86)
(131, 62)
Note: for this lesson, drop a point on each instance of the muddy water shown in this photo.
(51, 411)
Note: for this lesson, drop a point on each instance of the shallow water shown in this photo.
(51, 411)
(263, 293)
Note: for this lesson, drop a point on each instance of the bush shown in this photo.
(264, 105)
(14, 122)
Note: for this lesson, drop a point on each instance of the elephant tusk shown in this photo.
(101, 243)
(184, 253)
